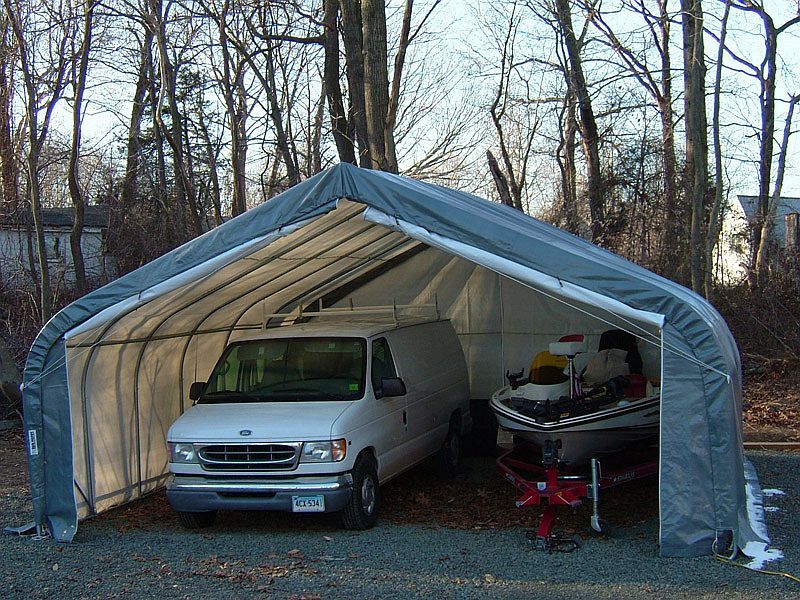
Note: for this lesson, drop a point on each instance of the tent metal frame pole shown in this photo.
(403, 241)
(107, 328)
(334, 283)
(234, 327)
(181, 380)
(133, 309)
(163, 336)
(230, 330)
(87, 446)
(260, 299)
(137, 414)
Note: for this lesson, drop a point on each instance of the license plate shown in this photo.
(308, 503)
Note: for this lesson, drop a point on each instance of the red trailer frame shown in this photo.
(544, 483)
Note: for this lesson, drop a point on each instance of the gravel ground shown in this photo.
(140, 552)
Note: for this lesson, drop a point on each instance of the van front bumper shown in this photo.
(191, 493)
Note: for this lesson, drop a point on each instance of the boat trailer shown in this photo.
(546, 484)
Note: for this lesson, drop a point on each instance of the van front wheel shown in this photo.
(361, 511)
(449, 457)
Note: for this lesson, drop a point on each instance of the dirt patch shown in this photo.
(13, 463)
(479, 498)
(771, 399)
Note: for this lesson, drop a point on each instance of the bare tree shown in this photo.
(80, 69)
(510, 179)
(696, 173)
(338, 114)
(9, 171)
(156, 18)
(236, 104)
(766, 73)
(658, 84)
(133, 147)
(715, 217)
(42, 37)
(590, 138)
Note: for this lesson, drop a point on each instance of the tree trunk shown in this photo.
(236, 107)
(769, 223)
(339, 124)
(394, 95)
(715, 219)
(215, 193)
(353, 36)
(132, 146)
(75, 191)
(588, 126)
(500, 181)
(186, 193)
(276, 114)
(508, 186)
(696, 174)
(376, 80)
(671, 231)
(9, 169)
(565, 156)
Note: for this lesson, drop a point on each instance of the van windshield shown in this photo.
(289, 370)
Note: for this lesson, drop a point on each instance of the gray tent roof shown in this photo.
(702, 485)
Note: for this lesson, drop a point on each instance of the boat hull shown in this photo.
(603, 432)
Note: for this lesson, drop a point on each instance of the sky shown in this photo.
(455, 21)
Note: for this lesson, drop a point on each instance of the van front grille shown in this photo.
(249, 457)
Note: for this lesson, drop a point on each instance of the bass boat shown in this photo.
(579, 423)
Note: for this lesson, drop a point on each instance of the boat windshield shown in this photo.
(289, 370)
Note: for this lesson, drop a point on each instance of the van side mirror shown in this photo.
(196, 390)
(392, 386)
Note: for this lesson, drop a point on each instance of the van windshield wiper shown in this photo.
(222, 396)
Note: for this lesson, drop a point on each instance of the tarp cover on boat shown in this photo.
(108, 374)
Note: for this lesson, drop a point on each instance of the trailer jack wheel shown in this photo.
(555, 542)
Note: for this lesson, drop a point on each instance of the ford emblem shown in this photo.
(245, 432)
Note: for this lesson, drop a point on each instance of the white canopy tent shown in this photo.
(108, 375)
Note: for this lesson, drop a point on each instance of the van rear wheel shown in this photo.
(361, 511)
(197, 520)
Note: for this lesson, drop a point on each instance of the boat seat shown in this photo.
(567, 348)
(547, 369)
(622, 340)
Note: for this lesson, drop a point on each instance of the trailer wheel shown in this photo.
(449, 457)
(197, 520)
(361, 511)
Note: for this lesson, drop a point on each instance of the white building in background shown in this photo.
(737, 232)
(14, 259)
(787, 205)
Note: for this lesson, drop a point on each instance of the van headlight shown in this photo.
(331, 451)
(182, 453)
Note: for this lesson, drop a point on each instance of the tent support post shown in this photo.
(87, 445)
(137, 414)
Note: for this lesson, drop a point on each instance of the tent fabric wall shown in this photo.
(105, 364)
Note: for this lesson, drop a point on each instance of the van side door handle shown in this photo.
(405, 418)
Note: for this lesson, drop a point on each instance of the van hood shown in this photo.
(266, 421)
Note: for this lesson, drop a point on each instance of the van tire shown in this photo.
(449, 456)
(361, 511)
(197, 520)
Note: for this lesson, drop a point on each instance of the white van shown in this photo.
(313, 417)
